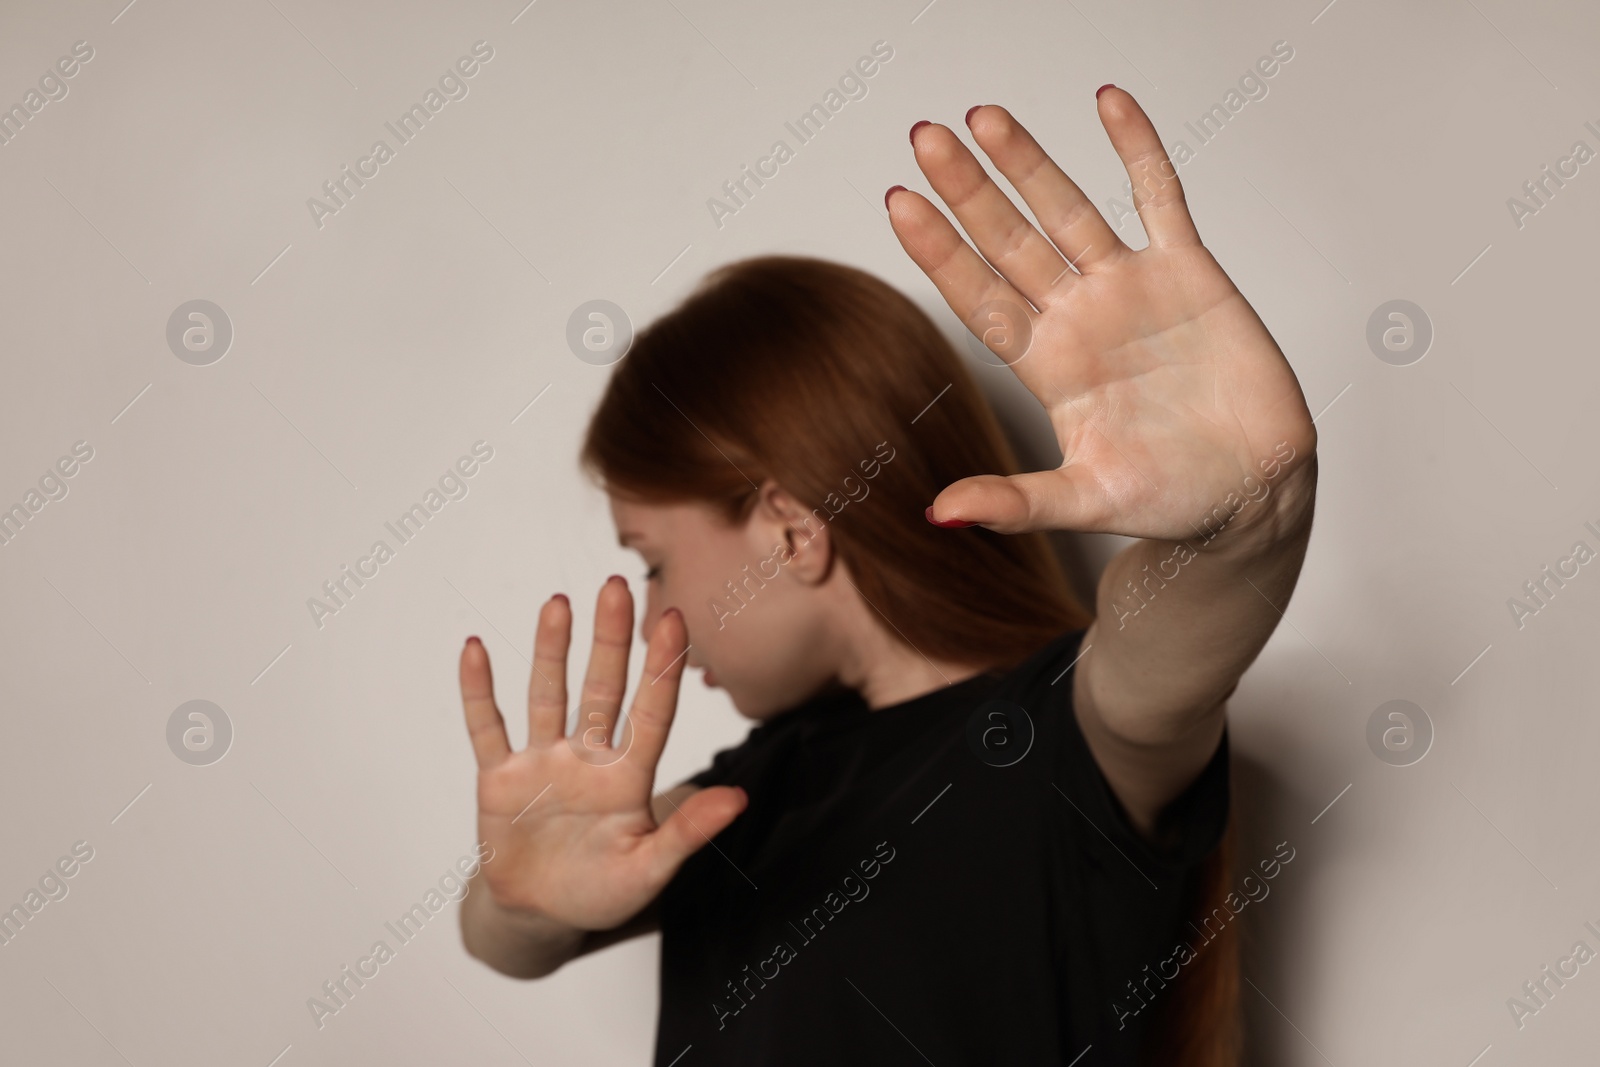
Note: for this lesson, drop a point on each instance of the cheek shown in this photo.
(762, 666)
(763, 643)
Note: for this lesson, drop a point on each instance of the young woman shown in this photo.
(973, 823)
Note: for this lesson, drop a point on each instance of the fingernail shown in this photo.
(1103, 88)
(892, 190)
(915, 126)
(473, 638)
(742, 794)
(948, 524)
(561, 597)
(617, 578)
(970, 110)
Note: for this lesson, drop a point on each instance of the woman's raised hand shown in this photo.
(569, 818)
(1163, 386)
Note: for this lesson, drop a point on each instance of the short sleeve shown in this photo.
(1191, 825)
(1188, 829)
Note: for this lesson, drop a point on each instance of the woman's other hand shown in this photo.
(569, 816)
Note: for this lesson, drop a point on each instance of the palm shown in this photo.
(569, 836)
(1165, 390)
(569, 817)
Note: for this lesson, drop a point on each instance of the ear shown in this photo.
(799, 534)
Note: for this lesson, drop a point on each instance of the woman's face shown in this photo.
(767, 640)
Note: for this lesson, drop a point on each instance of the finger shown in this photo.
(484, 724)
(547, 685)
(1066, 215)
(1002, 233)
(692, 825)
(1064, 499)
(979, 297)
(1157, 192)
(607, 677)
(656, 701)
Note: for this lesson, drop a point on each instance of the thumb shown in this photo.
(1040, 500)
(702, 815)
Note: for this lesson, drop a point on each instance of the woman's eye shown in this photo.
(652, 574)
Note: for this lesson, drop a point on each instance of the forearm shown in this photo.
(518, 944)
(1178, 622)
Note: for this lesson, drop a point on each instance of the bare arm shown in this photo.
(1172, 639)
(1169, 399)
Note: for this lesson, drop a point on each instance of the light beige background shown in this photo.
(430, 311)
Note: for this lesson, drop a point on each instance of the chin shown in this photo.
(753, 707)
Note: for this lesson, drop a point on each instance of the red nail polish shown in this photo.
(947, 524)
(914, 128)
(892, 190)
(1103, 88)
(970, 110)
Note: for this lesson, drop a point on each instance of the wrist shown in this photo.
(525, 918)
(514, 917)
(514, 941)
(1275, 516)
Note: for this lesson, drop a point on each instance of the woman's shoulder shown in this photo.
(1192, 823)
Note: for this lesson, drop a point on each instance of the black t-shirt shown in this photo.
(927, 883)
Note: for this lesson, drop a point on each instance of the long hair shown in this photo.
(1200, 1023)
(811, 372)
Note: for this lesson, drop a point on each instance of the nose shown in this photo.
(647, 621)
